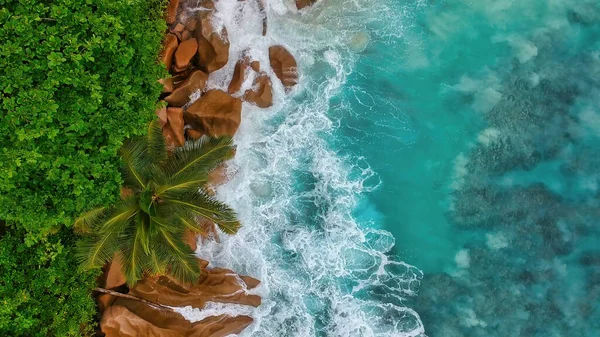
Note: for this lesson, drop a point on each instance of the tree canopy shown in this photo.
(77, 77)
(41, 292)
(165, 197)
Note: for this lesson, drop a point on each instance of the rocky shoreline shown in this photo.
(197, 46)
(194, 47)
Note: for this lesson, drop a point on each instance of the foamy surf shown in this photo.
(324, 272)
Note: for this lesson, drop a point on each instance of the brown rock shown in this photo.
(284, 65)
(216, 113)
(190, 24)
(104, 301)
(191, 239)
(239, 74)
(178, 28)
(129, 318)
(181, 75)
(184, 54)
(170, 138)
(157, 316)
(194, 134)
(214, 285)
(176, 124)
(172, 11)
(261, 93)
(186, 35)
(213, 46)
(114, 276)
(304, 3)
(162, 116)
(218, 176)
(251, 282)
(204, 264)
(181, 95)
(169, 46)
(168, 84)
(118, 321)
(210, 231)
(255, 65)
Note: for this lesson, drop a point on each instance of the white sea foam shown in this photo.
(213, 309)
(322, 272)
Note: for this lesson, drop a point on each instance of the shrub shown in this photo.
(77, 77)
(41, 292)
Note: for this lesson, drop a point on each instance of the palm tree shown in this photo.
(147, 226)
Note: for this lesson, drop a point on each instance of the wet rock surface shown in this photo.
(181, 95)
(305, 3)
(284, 65)
(169, 46)
(184, 54)
(239, 75)
(261, 93)
(215, 113)
(172, 11)
(129, 318)
(176, 124)
(213, 50)
(214, 285)
(196, 46)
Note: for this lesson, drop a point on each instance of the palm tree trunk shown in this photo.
(135, 298)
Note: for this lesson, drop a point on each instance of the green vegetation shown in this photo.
(76, 79)
(41, 294)
(147, 227)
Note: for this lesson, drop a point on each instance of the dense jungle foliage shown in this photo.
(77, 78)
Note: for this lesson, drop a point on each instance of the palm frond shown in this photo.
(119, 216)
(88, 220)
(189, 181)
(134, 256)
(94, 251)
(183, 265)
(157, 148)
(184, 218)
(203, 155)
(156, 265)
(143, 226)
(98, 248)
(136, 162)
(204, 205)
(159, 224)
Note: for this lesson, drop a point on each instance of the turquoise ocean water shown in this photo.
(435, 172)
(488, 161)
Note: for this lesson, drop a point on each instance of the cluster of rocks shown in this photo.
(129, 317)
(194, 48)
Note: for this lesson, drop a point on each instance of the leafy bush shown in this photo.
(41, 294)
(77, 77)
